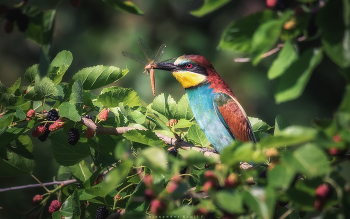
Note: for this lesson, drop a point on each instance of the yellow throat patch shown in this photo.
(189, 79)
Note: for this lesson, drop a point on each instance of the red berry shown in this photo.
(8, 27)
(200, 211)
(336, 138)
(210, 175)
(104, 115)
(89, 133)
(99, 179)
(157, 206)
(208, 186)
(271, 3)
(147, 180)
(37, 199)
(322, 194)
(55, 206)
(172, 186)
(56, 125)
(232, 181)
(30, 114)
(75, 3)
(336, 152)
(176, 178)
(149, 194)
(39, 131)
(0, 116)
(173, 122)
(117, 198)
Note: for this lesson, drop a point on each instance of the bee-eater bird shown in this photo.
(215, 108)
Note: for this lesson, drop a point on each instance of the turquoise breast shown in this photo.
(201, 100)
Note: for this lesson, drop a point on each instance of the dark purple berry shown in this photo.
(52, 115)
(87, 116)
(172, 151)
(44, 136)
(73, 136)
(101, 213)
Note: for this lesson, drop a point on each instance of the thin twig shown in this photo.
(271, 52)
(66, 182)
(40, 183)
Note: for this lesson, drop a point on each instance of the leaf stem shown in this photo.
(47, 190)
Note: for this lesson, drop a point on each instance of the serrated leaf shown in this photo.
(14, 133)
(23, 147)
(126, 6)
(289, 136)
(285, 58)
(146, 137)
(14, 87)
(241, 152)
(258, 125)
(45, 87)
(59, 66)
(154, 158)
(238, 35)
(209, 6)
(99, 76)
(69, 110)
(280, 177)
(280, 124)
(113, 96)
(6, 120)
(165, 105)
(261, 201)
(16, 165)
(183, 109)
(70, 208)
(294, 80)
(224, 200)
(266, 36)
(66, 154)
(20, 114)
(80, 171)
(308, 159)
(196, 134)
(76, 96)
(31, 73)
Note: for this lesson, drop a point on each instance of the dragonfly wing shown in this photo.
(133, 57)
(145, 49)
(159, 53)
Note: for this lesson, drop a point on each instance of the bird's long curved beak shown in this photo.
(166, 66)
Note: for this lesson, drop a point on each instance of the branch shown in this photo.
(271, 52)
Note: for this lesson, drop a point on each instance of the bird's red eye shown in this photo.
(189, 65)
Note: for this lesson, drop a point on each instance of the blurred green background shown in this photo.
(96, 34)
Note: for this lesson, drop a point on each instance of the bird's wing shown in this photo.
(233, 117)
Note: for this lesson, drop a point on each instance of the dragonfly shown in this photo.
(151, 62)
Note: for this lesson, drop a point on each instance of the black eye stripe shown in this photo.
(195, 68)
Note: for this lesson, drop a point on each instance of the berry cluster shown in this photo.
(104, 114)
(323, 192)
(39, 131)
(172, 122)
(14, 16)
(30, 114)
(101, 213)
(55, 206)
(52, 115)
(73, 136)
(44, 136)
(59, 123)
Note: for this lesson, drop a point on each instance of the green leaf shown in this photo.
(113, 96)
(261, 201)
(154, 158)
(14, 87)
(285, 58)
(266, 36)
(192, 157)
(308, 159)
(20, 114)
(16, 165)
(241, 152)
(280, 176)
(70, 208)
(336, 35)
(99, 76)
(345, 104)
(165, 105)
(46, 88)
(76, 97)
(238, 35)
(224, 200)
(208, 7)
(141, 207)
(146, 137)
(258, 125)
(66, 154)
(23, 147)
(289, 136)
(280, 124)
(14, 133)
(80, 171)
(69, 110)
(31, 73)
(293, 81)
(6, 120)
(59, 66)
(126, 6)
(183, 109)
(197, 135)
